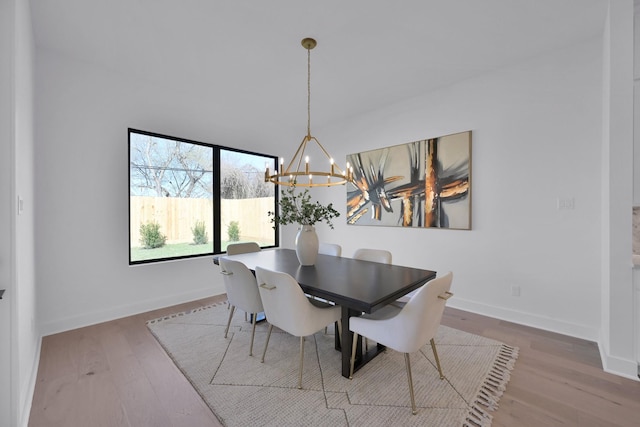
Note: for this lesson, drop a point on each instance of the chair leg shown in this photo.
(435, 354)
(266, 343)
(233, 309)
(253, 334)
(407, 363)
(353, 354)
(301, 359)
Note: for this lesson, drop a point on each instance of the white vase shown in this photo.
(307, 245)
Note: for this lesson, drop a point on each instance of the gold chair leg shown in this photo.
(407, 363)
(266, 343)
(233, 309)
(435, 354)
(253, 333)
(301, 359)
(339, 323)
(353, 354)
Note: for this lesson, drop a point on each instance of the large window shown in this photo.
(189, 199)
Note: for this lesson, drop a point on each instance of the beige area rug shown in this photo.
(241, 391)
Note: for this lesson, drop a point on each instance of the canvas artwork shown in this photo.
(423, 184)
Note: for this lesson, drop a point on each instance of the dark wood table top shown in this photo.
(360, 285)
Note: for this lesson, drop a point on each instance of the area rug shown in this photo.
(241, 391)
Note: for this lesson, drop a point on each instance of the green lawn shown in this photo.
(170, 251)
(176, 250)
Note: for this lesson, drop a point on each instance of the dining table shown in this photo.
(357, 286)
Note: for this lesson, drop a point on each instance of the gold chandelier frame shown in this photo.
(290, 175)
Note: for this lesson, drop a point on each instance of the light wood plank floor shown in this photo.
(116, 374)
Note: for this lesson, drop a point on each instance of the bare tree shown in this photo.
(243, 182)
(233, 183)
(164, 167)
(169, 168)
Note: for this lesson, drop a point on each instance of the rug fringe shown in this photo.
(183, 313)
(494, 386)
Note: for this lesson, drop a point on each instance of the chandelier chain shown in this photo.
(308, 92)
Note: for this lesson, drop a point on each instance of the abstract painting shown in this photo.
(424, 184)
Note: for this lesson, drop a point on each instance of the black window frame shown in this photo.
(217, 226)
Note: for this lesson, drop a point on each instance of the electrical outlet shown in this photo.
(515, 291)
(566, 203)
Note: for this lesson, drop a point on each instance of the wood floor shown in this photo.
(116, 374)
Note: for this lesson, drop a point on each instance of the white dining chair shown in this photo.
(381, 256)
(409, 328)
(375, 255)
(287, 308)
(242, 292)
(242, 248)
(330, 249)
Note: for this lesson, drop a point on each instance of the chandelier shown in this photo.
(298, 173)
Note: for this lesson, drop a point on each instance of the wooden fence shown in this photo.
(177, 216)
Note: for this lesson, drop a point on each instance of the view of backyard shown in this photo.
(172, 192)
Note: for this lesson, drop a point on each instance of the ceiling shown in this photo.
(246, 55)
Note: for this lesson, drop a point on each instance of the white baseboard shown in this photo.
(23, 417)
(613, 365)
(112, 313)
(622, 367)
(527, 319)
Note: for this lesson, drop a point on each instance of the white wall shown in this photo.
(636, 102)
(617, 343)
(536, 138)
(7, 277)
(636, 157)
(26, 330)
(17, 262)
(83, 113)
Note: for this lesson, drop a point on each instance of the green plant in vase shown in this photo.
(297, 208)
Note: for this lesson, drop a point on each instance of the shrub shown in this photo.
(234, 231)
(150, 236)
(200, 236)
